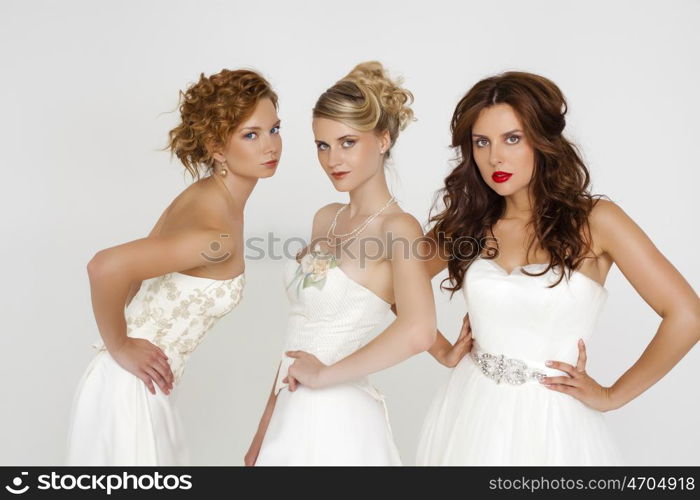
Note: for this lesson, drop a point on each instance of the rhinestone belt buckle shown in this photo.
(500, 368)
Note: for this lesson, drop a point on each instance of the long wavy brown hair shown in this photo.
(559, 185)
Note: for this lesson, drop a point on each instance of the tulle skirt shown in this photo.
(339, 425)
(474, 421)
(115, 420)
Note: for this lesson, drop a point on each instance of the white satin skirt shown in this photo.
(339, 425)
(115, 420)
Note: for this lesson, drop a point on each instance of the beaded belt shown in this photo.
(509, 370)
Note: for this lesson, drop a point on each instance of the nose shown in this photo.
(269, 144)
(495, 157)
(334, 157)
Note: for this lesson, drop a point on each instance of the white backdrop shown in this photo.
(87, 87)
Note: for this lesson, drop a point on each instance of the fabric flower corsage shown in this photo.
(313, 268)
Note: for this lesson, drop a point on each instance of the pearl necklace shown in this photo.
(339, 238)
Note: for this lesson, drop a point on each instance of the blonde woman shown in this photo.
(155, 298)
(322, 409)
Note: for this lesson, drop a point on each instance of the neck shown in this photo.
(369, 196)
(239, 188)
(519, 205)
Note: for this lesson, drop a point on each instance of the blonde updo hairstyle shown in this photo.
(211, 110)
(366, 99)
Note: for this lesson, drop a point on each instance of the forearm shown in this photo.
(394, 345)
(440, 346)
(267, 413)
(108, 294)
(674, 338)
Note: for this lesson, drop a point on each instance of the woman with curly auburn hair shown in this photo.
(155, 298)
(530, 248)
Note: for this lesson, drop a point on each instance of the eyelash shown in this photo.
(514, 136)
(247, 136)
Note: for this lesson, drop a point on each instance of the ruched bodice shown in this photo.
(519, 316)
(175, 311)
(329, 321)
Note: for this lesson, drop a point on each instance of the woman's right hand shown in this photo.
(146, 361)
(461, 347)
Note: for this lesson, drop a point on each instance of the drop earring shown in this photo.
(223, 168)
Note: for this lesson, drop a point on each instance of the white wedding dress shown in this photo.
(115, 419)
(475, 420)
(345, 424)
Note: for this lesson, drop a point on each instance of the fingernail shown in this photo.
(548, 363)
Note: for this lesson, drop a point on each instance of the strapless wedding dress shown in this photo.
(331, 316)
(115, 419)
(493, 410)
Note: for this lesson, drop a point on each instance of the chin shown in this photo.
(504, 190)
(267, 173)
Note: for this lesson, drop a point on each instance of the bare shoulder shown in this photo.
(607, 216)
(401, 223)
(609, 223)
(201, 206)
(326, 213)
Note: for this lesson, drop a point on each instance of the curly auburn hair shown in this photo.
(211, 109)
(559, 184)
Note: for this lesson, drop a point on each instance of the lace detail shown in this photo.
(175, 311)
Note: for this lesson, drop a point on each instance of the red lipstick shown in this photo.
(339, 175)
(501, 176)
(271, 163)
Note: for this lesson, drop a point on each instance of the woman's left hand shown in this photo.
(579, 384)
(306, 370)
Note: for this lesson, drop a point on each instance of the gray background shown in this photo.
(87, 91)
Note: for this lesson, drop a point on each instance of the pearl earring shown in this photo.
(223, 168)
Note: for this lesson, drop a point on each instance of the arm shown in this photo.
(412, 331)
(448, 354)
(442, 350)
(136, 286)
(112, 272)
(662, 287)
(252, 455)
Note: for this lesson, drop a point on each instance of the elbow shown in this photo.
(424, 336)
(98, 266)
(696, 321)
(687, 319)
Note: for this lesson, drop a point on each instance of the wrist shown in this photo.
(115, 346)
(441, 355)
(326, 376)
(613, 397)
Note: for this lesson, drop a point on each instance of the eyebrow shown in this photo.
(347, 136)
(502, 135)
(259, 128)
